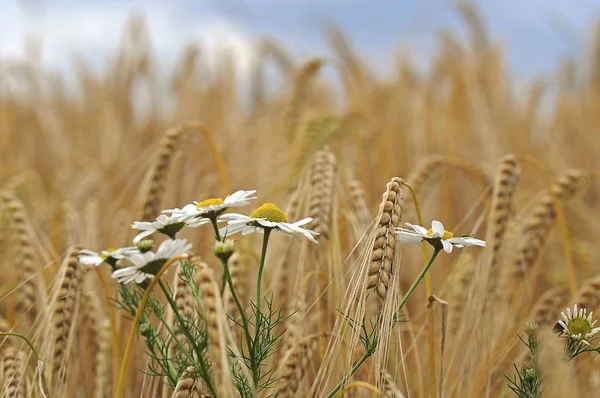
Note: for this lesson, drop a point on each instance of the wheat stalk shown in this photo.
(215, 324)
(389, 389)
(188, 386)
(507, 177)
(384, 248)
(302, 80)
(588, 294)
(542, 218)
(294, 366)
(320, 203)
(358, 203)
(159, 173)
(32, 285)
(65, 306)
(14, 378)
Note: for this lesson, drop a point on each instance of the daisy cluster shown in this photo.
(138, 263)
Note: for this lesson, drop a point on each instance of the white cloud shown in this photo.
(93, 30)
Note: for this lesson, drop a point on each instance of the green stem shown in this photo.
(418, 280)
(355, 368)
(31, 347)
(245, 323)
(213, 220)
(223, 283)
(370, 352)
(263, 255)
(190, 338)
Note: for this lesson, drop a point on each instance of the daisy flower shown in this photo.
(111, 256)
(577, 325)
(213, 207)
(168, 225)
(267, 216)
(436, 236)
(146, 265)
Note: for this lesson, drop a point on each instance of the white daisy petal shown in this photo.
(142, 235)
(437, 228)
(302, 222)
(467, 241)
(447, 246)
(419, 229)
(248, 230)
(408, 237)
(135, 273)
(419, 233)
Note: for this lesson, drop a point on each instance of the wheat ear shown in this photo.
(160, 173)
(215, 323)
(32, 285)
(294, 366)
(14, 378)
(63, 313)
(188, 386)
(384, 248)
(320, 203)
(543, 216)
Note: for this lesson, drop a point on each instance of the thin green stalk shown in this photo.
(31, 347)
(370, 352)
(236, 299)
(263, 255)
(213, 221)
(355, 368)
(40, 365)
(419, 279)
(184, 330)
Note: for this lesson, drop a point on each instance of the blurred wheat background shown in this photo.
(81, 159)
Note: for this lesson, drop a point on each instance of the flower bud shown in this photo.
(224, 249)
(145, 245)
(530, 328)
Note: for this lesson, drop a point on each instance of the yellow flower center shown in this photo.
(579, 325)
(447, 234)
(209, 202)
(106, 253)
(269, 212)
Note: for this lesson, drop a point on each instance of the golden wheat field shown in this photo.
(340, 317)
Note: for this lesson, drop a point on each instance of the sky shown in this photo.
(536, 34)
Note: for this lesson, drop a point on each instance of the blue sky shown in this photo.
(535, 33)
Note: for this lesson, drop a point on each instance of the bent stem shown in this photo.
(40, 365)
(26, 340)
(405, 299)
